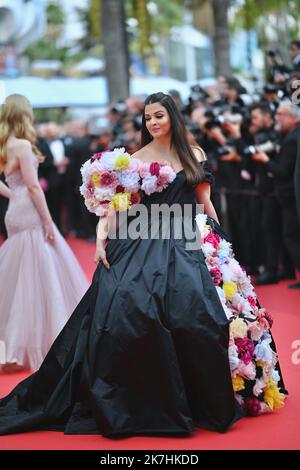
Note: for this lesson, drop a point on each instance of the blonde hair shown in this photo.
(16, 116)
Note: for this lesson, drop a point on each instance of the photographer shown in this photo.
(264, 138)
(278, 72)
(283, 168)
(221, 137)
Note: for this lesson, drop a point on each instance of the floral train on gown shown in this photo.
(253, 362)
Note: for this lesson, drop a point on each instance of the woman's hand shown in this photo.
(49, 232)
(100, 253)
(202, 192)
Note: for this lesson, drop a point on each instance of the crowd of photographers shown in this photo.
(253, 147)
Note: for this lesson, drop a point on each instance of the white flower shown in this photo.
(96, 167)
(240, 304)
(226, 272)
(275, 375)
(208, 249)
(130, 181)
(246, 287)
(149, 184)
(263, 351)
(224, 249)
(201, 222)
(233, 357)
(104, 194)
(86, 171)
(108, 160)
(258, 387)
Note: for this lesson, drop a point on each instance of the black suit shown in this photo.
(283, 169)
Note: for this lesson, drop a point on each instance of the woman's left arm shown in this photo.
(202, 192)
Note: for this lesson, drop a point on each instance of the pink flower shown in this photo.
(251, 301)
(134, 165)
(245, 348)
(154, 168)
(252, 406)
(144, 170)
(90, 187)
(108, 179)
(264, 318)
(247, 371)
(255, 330)
(269, 318)
(216, 276)
(167, 173)
(213, 239)
(212, 261)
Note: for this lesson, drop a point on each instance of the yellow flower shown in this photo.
(272, 396)
(122, 162)
(238, 328)
(230, 289)
(238, 383)
(120, 202)
(96, 179)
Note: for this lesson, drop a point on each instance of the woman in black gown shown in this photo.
(146, 349)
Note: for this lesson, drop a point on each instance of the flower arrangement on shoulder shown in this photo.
(252, 360)
(113, 180)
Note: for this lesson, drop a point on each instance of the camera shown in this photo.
(198, 93)
(221, 151)
(265, 147)
(221, 120)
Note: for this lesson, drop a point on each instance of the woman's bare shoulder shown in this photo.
(142, 154)
(199, 154)
(15, 144)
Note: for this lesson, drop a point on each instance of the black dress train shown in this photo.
(145, 351)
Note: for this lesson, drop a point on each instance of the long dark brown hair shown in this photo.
(179, 139)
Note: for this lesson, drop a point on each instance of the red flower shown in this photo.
(96, 156)
(252, 406)
(216, 276)
(269, 318)
(245, 349)
(251, 301)
(134, 198)
(213, 239)
(108, 179)
(154, 169)
(120, 189)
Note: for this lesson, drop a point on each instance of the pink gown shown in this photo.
(40, 284)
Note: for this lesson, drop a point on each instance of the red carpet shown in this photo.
(279, 430)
